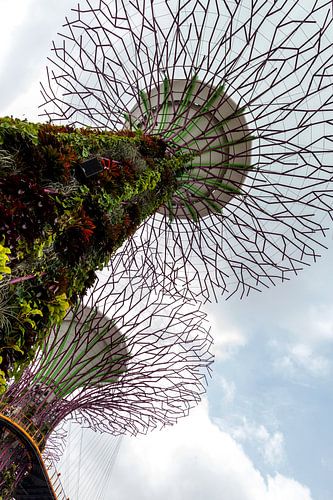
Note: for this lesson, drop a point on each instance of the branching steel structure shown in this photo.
(125, 361)
(246, 88)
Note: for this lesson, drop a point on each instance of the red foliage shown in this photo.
(86, 225)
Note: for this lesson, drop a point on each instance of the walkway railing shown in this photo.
(43, 470)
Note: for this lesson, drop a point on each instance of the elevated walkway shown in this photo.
(37, 484)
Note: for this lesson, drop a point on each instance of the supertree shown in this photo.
(220, 152)
(124, 360)
(225, 112)
(245, 88)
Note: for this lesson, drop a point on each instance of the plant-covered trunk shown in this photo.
(69, 199)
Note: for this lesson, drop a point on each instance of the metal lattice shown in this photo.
(245, 87)
(126, 360)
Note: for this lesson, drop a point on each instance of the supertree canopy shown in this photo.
(245, 89)
(125, 360)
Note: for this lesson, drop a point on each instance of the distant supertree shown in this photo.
(126, 360)
(245, 87)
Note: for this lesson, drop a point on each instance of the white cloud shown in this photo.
(15, 11)
(300, 359)
(196, 460)
(283, 488)
(227, 337)
(300, 311)
(274, 448)
(269, 444)
(317, 323)
(228, 388)
(25, 43)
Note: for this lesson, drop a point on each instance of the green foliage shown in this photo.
(4, 251)
(8, 478)
(28, 311)
(58, 226)
(3, 384)
(58, 308)
(25, 129)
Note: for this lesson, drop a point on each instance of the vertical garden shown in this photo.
(69, 198)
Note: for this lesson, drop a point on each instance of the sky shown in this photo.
(264, 430)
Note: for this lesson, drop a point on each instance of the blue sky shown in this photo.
(264, 431)
(280, 377)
